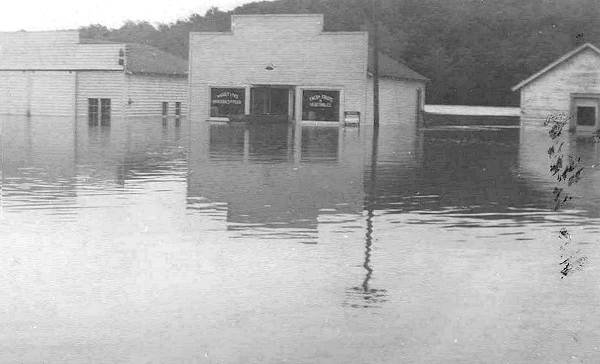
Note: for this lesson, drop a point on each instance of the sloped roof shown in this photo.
(389, 67)
(143, 58)
(556, 63)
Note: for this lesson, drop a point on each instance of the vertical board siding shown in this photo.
(301, 54)
(148, 92)
(551, 92)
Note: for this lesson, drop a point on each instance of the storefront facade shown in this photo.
(278, 67)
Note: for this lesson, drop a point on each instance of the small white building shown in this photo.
(569, 85)
(285, 67)
(57, 74)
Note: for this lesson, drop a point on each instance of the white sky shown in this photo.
(71, 14)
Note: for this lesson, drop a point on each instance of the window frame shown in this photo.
(300, 103)
(243, 104)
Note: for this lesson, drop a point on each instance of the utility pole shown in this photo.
(375, 66)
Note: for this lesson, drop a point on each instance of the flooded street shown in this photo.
(199, 243)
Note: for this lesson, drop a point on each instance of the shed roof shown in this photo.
(559, 61)
(390, 67)
(145, 59)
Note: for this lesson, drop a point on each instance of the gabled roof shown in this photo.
(389, 67)
(143, 58)
(556, 63)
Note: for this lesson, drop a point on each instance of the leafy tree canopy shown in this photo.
(472, 50)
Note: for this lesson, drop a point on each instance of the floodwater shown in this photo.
(144, 243)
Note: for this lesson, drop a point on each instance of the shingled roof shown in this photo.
(389, 67)
(146, 59)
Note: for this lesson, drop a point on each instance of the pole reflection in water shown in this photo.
(370, 296)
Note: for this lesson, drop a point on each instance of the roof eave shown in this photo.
(423, 79)
(554, 64)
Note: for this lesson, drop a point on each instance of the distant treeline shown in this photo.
(472, 50)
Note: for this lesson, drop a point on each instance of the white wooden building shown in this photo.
(284, 66)
(569, 85)
(56, 73)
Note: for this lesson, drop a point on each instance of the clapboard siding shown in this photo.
(148, 92)
(14, 92)
(551, 92)
(55, 51)
(37, 93)
(100, 85)
(52, 93)
(397, 99)
(301, 53)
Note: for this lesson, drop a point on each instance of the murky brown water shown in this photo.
(269, 244)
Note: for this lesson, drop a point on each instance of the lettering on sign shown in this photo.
(320, 100)
(227, 98)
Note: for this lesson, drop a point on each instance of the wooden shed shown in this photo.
(57, 74)
(569, 85)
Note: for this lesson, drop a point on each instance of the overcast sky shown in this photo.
(71, 14)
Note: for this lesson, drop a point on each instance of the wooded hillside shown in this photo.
(472, 50)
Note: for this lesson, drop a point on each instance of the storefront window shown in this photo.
(321, 105)
(227, 101)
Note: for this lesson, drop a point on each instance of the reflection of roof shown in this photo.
(389, 67)
(145, 59)
(556, 63)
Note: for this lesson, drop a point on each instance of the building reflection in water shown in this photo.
(49, 162)
(276, 180)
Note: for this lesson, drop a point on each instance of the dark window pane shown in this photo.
(269, 101)
(165, 108)
(227, 101)
(320, 105)
(105, 112)
(178, 108)
(93, 112)
(586, 115)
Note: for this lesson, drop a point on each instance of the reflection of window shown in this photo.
(320, 105)
(93, 112)
(177, 108)
(227, 101)
(165, 109)
(586, 115)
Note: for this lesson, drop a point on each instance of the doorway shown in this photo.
(271, 103)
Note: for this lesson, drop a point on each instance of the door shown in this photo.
(586, 115)
(270, 102)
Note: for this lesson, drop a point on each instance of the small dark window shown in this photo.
(177, 108)
(586, 115)
(105, 112)
(121, 57)
(93, 112)
(165, 109)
